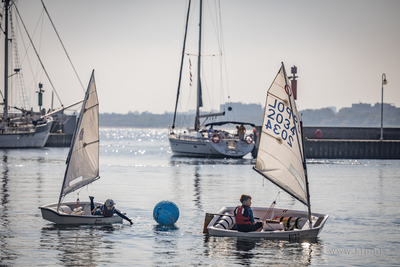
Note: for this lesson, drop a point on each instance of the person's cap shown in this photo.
(110, 203)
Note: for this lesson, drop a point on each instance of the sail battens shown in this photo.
(276, 97)
(279, 155)
(279, 140)
(89, 108)
(91, 143)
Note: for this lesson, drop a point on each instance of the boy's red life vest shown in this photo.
(239, 218)
(107, 212)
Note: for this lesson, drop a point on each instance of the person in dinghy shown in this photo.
(107, 209)
(244, 216)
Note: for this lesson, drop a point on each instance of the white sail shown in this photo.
(280, 154)
(83, 158)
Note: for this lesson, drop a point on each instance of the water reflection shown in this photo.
(197, 189)
(160, 229)
(254, 251)
(79, 245)
(7, 255)
(165, 248)
(243, 251)
(176, 161)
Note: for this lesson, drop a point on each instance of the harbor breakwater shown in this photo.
(350, 143)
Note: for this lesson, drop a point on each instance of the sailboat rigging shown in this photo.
(200, 141)
(19, 130)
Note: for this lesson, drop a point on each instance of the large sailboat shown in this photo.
(205, 140)
(281, 160)
(19, 130)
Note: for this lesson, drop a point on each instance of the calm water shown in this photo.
(137, 171)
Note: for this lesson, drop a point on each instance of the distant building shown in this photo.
(243, 109)
(385, 106)
(361, 106)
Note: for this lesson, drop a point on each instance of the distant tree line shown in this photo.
(359, 115)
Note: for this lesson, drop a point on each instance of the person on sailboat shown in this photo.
(210, 131)
(242, 131)
(244, 216)
(107, 210)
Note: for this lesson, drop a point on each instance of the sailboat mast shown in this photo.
(303, 156)
(5, 112)
(197, 122)
(306, 175)
(180, 73)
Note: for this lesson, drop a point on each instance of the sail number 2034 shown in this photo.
(281, 122)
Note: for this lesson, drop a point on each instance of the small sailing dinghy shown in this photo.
(82, 168)
(281, 160)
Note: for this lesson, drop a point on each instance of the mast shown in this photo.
(180, 73)
(302, 149)
(5, 112)
(199, 100)
(306, 176)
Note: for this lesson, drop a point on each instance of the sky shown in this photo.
(341, 49)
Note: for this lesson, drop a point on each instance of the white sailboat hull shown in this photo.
(204, 147)
(222, 225)
(36, 138)
(64, 216)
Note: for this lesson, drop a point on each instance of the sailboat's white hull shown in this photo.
(64, 216)
(36, 138)
(205, 147)
(295, 219)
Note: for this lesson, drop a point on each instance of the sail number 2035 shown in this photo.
(280, 121)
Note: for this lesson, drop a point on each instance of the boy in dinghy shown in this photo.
(244, 216)
(107, 210)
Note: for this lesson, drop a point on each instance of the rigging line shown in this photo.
(34, 75)
(17, 61)
(65, 50)
(26, 55)
(210, 55)
(277, 195)
(191, 90)
(215, 25)
(220, 39)
(223, 49)
(40, 45)
(23, 24)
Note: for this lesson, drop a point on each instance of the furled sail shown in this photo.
(280, 155)
(83, 158)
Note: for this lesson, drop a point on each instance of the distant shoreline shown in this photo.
(359, 115)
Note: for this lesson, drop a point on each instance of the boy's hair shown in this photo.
(244, 198)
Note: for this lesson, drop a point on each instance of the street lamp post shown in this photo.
(384, 81)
